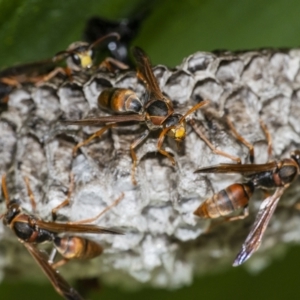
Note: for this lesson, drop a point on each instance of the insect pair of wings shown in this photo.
(31, 231)
(274, 174)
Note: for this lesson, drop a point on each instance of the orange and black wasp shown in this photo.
(274, 174)
(79, 57)
(32, 231)
(157, 113)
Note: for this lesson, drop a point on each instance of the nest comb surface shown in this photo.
(164, 244)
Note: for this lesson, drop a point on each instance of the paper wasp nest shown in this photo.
(164, 243)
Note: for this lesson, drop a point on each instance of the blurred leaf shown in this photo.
(179, 28)
(36, 29)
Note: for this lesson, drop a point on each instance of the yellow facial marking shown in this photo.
(86, 60)
(180, 133)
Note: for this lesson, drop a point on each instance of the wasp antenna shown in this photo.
(30, 193)
(105, 37)
(194, 108)
(60, 55)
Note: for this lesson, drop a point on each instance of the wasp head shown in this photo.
(296, 156)
(177, 127)
(80, 56)
(12, 211)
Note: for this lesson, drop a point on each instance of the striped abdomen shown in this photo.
(120, 101)
(76, 247)
(234, 197)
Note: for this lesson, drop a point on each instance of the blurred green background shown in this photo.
(37, 29)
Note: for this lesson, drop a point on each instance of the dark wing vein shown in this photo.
(58, 282)
(239, 168)
(262, 220)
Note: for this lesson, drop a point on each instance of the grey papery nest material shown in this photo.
(164, 244)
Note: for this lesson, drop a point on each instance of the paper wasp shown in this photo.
(79, 56)
(274, 174)
(32, 231)
(157, 113)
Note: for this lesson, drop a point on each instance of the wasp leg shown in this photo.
(10, 81)
(133, 154)
(194, 108)
(268, 137)
(66, 201)
(112, 64)
(56, 71)
(15, 82)
(242, 216)
(159, 145)
(241, 139)
(4, 100)
(210, 145)
(266, 193)
(30, 194)
(91, 220)
(239, 217)
(5, 192)
(93, 136)
(59, 263)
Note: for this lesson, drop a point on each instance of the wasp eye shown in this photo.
(76, 59)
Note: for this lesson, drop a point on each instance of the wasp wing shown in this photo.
(146, 74)
(239, 168)
(108, 37)
(58, 282)
(61, 55)
(106, 119)
(74, 228)
(263, 217)
(30, 69)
